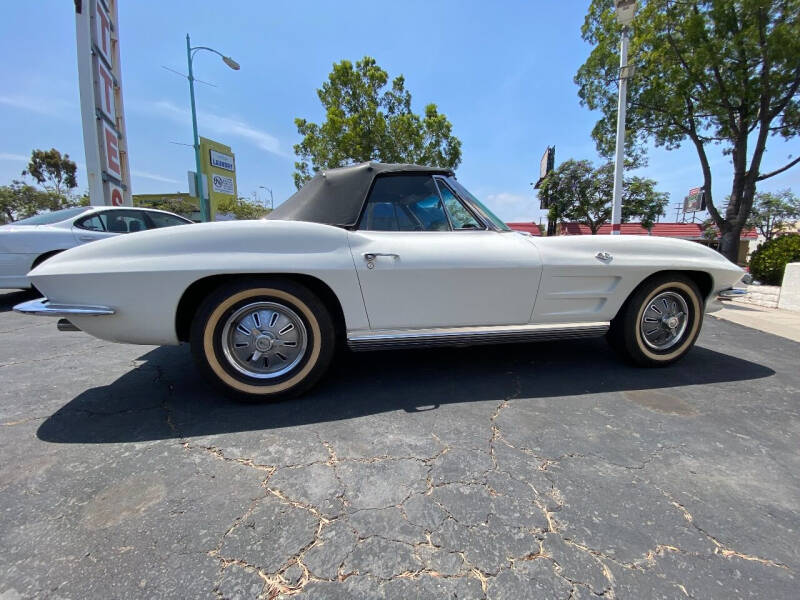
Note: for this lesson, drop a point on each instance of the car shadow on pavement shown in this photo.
(165, 397)
(9, 299)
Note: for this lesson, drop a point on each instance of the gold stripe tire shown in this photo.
(625, 334)
(207, 343)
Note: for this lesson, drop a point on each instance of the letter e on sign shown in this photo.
(111, 147)
(103, 31)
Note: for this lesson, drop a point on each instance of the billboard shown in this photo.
(695, 201)
(219, 169)
(546, 164)
(102, 112)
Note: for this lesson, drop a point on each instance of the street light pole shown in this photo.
(625, 12)
(271, 201)
(205, 209)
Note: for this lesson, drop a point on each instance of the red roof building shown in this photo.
(531, 228)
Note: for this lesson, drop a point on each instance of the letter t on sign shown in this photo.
(105, 81)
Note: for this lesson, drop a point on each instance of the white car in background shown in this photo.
(27, 243)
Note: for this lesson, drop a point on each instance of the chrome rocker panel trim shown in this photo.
(44, 307)
(470, 336)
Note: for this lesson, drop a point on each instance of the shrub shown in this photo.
(770, 259)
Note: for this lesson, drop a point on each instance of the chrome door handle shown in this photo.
(370, 256)
(86, 238)
(604, 255)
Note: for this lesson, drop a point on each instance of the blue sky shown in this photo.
(502, 73)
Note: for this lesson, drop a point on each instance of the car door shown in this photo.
(108, 223)
(91, 227)
(425, 260)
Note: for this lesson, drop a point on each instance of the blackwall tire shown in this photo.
(262, 340)
(660, 322)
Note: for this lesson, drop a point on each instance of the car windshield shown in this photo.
(55, 216)
(478, 205)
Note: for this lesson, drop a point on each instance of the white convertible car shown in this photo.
(25, 244)
(376, 256)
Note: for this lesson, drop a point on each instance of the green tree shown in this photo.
(242, 208)
(768, 262)
(52, 170)
(708, 72)
(578, 192)
(710, 231)
(21, 200)
(366, 120)
(182, 205)
(772, 212)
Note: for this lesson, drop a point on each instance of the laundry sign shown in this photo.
(219, 172)
(221, 161)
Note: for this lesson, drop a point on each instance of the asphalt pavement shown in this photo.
(549, 470)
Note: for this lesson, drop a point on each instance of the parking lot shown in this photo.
(539, 471)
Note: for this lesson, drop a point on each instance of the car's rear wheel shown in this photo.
(262, 340)
(660, 322)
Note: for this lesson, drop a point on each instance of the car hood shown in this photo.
(641, 245)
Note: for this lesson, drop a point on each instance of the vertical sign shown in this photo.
(102, 111)
(219, 171)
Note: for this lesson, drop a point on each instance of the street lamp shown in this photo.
(205, 209)
(626, 9)
(271, 202)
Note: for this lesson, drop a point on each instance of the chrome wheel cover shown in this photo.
(664, 320)
(264, 340)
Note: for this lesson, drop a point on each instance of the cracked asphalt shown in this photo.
(539, 471)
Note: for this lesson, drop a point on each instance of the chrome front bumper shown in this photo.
(716, 303)
(43, 306)
(732, 293)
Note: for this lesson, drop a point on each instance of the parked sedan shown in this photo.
(377, 256)
(27, 243)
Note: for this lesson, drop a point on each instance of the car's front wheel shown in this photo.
(660, 322)
(263, 340)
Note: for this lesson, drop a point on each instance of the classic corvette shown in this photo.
(377, 256)
(26, 243)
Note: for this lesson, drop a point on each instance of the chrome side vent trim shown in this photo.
(471, 336)
(43, 306)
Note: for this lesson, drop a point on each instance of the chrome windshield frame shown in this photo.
(476, 210)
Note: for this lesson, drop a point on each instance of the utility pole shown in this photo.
(626, 9)
(205, 209)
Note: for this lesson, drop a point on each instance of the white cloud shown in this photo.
(153, 176)
(221, 125)
(513, 208)
(43, 105)
(506, 199)
(14, 157)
